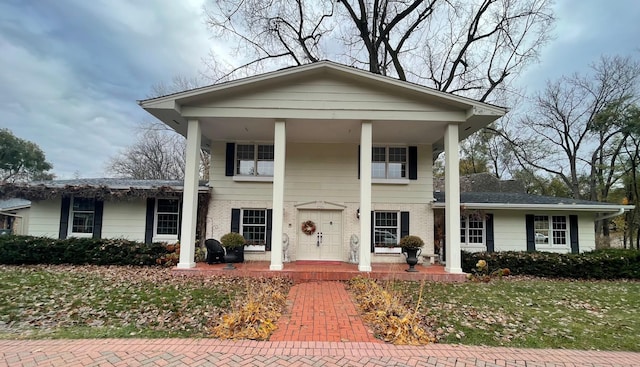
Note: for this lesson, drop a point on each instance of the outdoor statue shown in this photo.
(354, 249)
(285, 248)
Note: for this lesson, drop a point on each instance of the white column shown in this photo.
(452, 199)
(279, 150)
(190, 196)
(366, 135)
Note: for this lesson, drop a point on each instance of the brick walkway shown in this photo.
(321, 311)
(211, 352)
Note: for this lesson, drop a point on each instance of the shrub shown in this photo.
(232, 240)
(411, 242)
(599, 264)
(43, 250)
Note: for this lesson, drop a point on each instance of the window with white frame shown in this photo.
(254, 227)
(389, 162)
(386, 228)
(254, 159)
(82, 216)
(167, 217)
(551, 230)
(472, 230)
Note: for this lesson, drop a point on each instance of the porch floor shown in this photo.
(304, 271)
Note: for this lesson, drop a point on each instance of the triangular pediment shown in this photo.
(319, 205)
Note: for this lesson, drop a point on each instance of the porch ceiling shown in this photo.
(322, 131)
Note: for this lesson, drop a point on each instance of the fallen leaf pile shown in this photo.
(390, 318)
(254, 316)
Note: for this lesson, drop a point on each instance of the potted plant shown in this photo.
(234, 245)
(411, 248)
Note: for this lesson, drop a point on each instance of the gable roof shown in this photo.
(514, 200)
(325, 66)
(258, 100)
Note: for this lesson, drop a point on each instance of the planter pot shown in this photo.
(234, 255)
(412, 257)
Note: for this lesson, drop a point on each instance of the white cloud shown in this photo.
(74, 69)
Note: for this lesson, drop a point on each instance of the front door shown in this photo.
(326, 242)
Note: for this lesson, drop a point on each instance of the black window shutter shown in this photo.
(230, 159)
(573, 232)
(531, 236)
(148, 223)
(413, 163)
(373, 237)
(235, 220)
(269, 229)
(490, 236)
(64, 217)
(97, 218)
(404, 224)
(358, 162)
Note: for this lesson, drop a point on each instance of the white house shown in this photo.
(349, 150)
(317, 156)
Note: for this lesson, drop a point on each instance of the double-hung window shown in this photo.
(472, 230)
(551, 230)
(389, 163)
(82, 216)
(167, 217)
(254, 228)
(254, 159)
(386, 228)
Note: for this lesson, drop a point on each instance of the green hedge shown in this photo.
(43, 250)
(599, 264)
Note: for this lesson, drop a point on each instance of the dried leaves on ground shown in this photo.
(530, 312)
(111, 301)
(390, 318)
(255, 316)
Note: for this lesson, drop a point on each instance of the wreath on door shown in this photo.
(308, 227)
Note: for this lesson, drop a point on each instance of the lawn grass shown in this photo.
(109, 302)
(531, 313)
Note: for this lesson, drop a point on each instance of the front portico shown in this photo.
(308, 135)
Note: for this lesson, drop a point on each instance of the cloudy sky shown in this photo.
(72, 70)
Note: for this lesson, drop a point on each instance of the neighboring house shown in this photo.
(14, 216)
(139, 210)
(347, 149)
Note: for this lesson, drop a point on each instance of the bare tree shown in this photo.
(467, 47)
(156, 155)
(562, 136)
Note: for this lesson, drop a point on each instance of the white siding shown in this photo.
(322, 172)
(510, 230)
(124, 219)
(331, 94)
(44, 218)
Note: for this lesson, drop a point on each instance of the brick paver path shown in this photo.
(318, 311)
(212, 352)
(321, 311)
